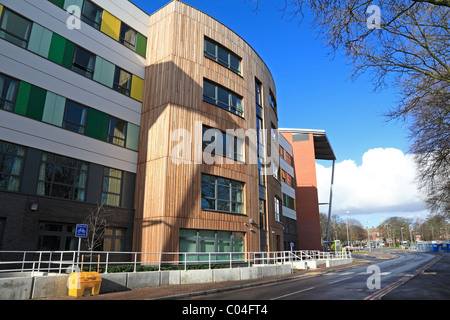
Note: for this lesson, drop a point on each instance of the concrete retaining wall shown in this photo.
(43, 286)
(313, 264)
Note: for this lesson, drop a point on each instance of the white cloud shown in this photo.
(384, 184)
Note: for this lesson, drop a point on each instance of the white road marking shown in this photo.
(290, 294)
(340, 280)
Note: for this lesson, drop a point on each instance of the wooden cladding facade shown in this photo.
(168, 183)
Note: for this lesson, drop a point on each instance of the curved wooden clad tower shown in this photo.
(201, 75)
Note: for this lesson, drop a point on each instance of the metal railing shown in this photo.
(70, 261)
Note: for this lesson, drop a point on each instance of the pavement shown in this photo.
(173, 292)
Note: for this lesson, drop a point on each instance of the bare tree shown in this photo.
(97, 221)
(408, 49)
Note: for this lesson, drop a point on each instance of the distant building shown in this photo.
(308, 146)
(287, 179)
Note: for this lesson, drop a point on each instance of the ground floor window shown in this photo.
(113, 239)
(195, 242)
(57, 237)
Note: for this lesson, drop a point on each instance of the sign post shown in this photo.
(81, 232)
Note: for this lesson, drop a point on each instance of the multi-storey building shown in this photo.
(307, 147)
(203, 80)
(96, 97)
(287, 178)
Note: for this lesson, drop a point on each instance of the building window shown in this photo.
(75, 116)
(222, 98)
(222, 55)
(128, 36)
(83, 62)
(122, 81)
(262, 215)
(273, 102)
(222, 144)
(112, 187)
(117, 131)
(113, 239)
(15, 29)
(92, 14)
(258, 92)
(11, 159)
(57, 237)
(8, 92)
(288, 202)
(260, 147)
(62, 177)
(2, 230)
(221, 194)
(277, 209)
(196, 241)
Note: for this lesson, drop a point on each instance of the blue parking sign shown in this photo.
(81, 231)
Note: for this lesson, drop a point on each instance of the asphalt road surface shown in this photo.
(372, 282)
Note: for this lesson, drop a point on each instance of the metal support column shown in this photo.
(329, 205)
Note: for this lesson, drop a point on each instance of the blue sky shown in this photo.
(314, 91)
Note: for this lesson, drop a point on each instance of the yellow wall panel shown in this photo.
(1, 9)
(137, 88)
(110, 25)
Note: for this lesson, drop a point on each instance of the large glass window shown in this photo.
(117, 131)
(83, 62)
(11, 159)
(262, 215)
(8, 92)
(221, 194)
(260, 139)
(62, 177)
(75, 116)
(15, 28)
(277, 209)
(222, 55)
(128, 36)
(222, 97)
(92, 14)
(122, 81)
(57, 236)
(198, 241)
(112, 186)
(223, 144)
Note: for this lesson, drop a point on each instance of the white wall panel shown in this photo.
(31, 133)
(41, 72)
(54, 18)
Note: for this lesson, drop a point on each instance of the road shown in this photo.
(362, 283)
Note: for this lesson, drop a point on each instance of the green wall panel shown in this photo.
(54, 109)
(36, 103)
(40, 40)
(97, 124)
(23, 96)
(104, 71)
(69, 52)
(132, 136)
(57, 48)
(141, 44)
(59, 3)
(68, 3)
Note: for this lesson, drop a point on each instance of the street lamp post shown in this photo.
(410, 234)
(348, 239)
(402, 235)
